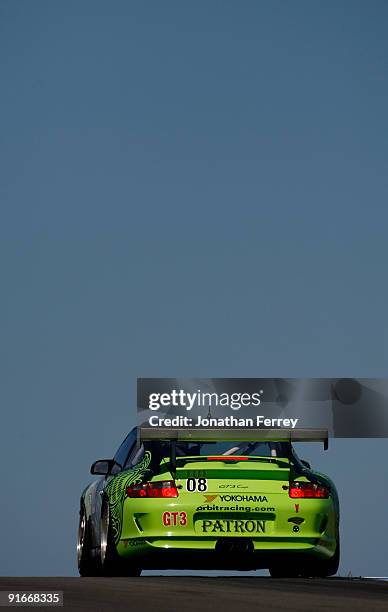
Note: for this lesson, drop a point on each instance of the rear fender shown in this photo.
(115, 491)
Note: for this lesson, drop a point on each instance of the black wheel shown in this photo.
(111, 562)
(87, 564)
(307, 569)
(283, 570)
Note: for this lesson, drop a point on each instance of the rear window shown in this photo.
(258, 449)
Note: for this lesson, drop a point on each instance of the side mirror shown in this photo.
(102, 467)
(306, 464)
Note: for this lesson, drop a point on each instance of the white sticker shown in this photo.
(196, 484)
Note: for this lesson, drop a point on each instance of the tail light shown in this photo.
(163, 488)
(308, 490)
(227, 458)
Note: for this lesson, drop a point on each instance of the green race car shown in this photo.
(208, 500)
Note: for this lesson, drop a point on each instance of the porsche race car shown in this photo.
(208, 500)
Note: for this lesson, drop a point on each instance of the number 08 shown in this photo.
(196, 484)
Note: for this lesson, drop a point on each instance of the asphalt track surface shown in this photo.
(200, 594)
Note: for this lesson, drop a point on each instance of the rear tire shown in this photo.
(87, 564)
(283, 571)
(111, 563)
(311, 569)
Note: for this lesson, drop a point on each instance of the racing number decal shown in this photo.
(196, 484)
(172, 519)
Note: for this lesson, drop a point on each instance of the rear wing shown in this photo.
(240, 435)
(213, 435)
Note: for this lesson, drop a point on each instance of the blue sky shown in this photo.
(186, 189)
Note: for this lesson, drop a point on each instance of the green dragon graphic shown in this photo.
(116, 492)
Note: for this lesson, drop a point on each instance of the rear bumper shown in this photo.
(179, 534)
(221, 553)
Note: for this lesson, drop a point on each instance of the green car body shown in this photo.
(228, 511)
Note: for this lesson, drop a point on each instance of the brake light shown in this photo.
(227, 458)
(307, 490)
(163, 488)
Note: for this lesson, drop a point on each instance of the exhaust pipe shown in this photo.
(235, 546)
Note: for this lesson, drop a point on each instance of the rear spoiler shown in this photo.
(240, 435)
